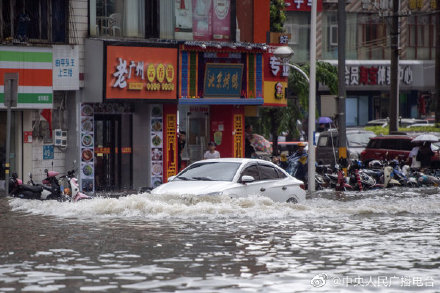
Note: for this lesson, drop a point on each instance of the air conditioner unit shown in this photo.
(60, 138)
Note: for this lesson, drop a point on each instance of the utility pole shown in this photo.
(342, 137)
(437, 66)
(10, 100)
(395, 43)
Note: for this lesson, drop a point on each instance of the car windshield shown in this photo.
(210, 171)
(359, 139)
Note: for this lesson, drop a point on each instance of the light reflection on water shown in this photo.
(144, 243)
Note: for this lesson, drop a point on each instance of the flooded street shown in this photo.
(378, 241)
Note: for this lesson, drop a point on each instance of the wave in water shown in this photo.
(157, 207)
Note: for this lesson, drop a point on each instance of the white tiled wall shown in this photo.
(78, 28)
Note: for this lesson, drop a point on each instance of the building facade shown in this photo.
(104, 86)
(368, 53)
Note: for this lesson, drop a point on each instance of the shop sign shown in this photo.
(87, 150)
(156, 132)
(301, 5)
(141, 73)
(418, 4)
(34, 68)
(275, 79)
(238, 136)
(376, 75)
(171, 143)
(223, 80)
(65, 67)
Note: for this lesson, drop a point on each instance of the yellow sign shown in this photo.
(171, 144)
(238, 136)
(274, 93)
(169, 73)
(151, 73)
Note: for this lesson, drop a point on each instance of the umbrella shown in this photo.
(260, 144)
(426, 137)
(324, 120)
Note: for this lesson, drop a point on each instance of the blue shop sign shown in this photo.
(223, 80)
(48, 152)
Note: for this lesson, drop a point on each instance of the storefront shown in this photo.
(29, 131)
(368, 90)
(128, 123)
(216, 82)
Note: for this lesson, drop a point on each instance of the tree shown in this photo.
(284, 119)
(277, 16)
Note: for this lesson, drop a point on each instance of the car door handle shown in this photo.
(262, 189)
(284, 188)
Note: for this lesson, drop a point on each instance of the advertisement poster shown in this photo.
(156, 131)
(87, 182)
(202, 20)
(184, 21)
(221, 20)
(141, 73)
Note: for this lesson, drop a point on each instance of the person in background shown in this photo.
(415, 164)
(424, 155)
(181, 141)
(297, 163)
(249, 150)
(283, 161)
(211, 153)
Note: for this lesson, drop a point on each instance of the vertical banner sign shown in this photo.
(170, 166)
(238, 136)
(65, 66)
(156, 130)
(87, 169)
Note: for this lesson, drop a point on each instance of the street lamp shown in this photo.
(285, 53)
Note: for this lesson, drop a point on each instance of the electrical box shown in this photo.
(60, 138)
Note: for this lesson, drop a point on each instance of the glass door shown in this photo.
(107, 152)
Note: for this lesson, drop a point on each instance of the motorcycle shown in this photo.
(28, 191)
(70, 188)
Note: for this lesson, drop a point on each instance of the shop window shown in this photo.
(374, 38)
(421, 37)
(31, 20)
(115, 18)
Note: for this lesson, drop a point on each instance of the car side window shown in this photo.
(280, 174)
(251, 171)
(267, 172)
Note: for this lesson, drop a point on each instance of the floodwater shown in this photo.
(378, 241)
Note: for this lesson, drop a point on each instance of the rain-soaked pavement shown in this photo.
(377, 241)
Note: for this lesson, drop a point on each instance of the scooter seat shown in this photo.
(31, 188)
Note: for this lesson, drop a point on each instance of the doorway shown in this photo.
(113, 152)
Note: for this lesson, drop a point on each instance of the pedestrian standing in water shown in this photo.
(211, 153)
(424, 155)
(249, 150)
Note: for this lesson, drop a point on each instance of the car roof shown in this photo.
(400, 136)
(233, 160)
(335, 131)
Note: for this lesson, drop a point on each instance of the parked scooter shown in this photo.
(70, 188)
(28, 191)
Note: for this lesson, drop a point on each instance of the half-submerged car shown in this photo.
(235, 178)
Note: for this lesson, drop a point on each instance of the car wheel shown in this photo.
(292, 200)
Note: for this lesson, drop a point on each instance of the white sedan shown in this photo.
(235, 178)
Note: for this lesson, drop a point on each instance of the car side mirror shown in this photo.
(247, 179)
(171, 178)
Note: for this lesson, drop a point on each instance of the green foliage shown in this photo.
(286, 117)
(277, 16)
(378, 130)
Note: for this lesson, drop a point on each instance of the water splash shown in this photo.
(166, 206)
